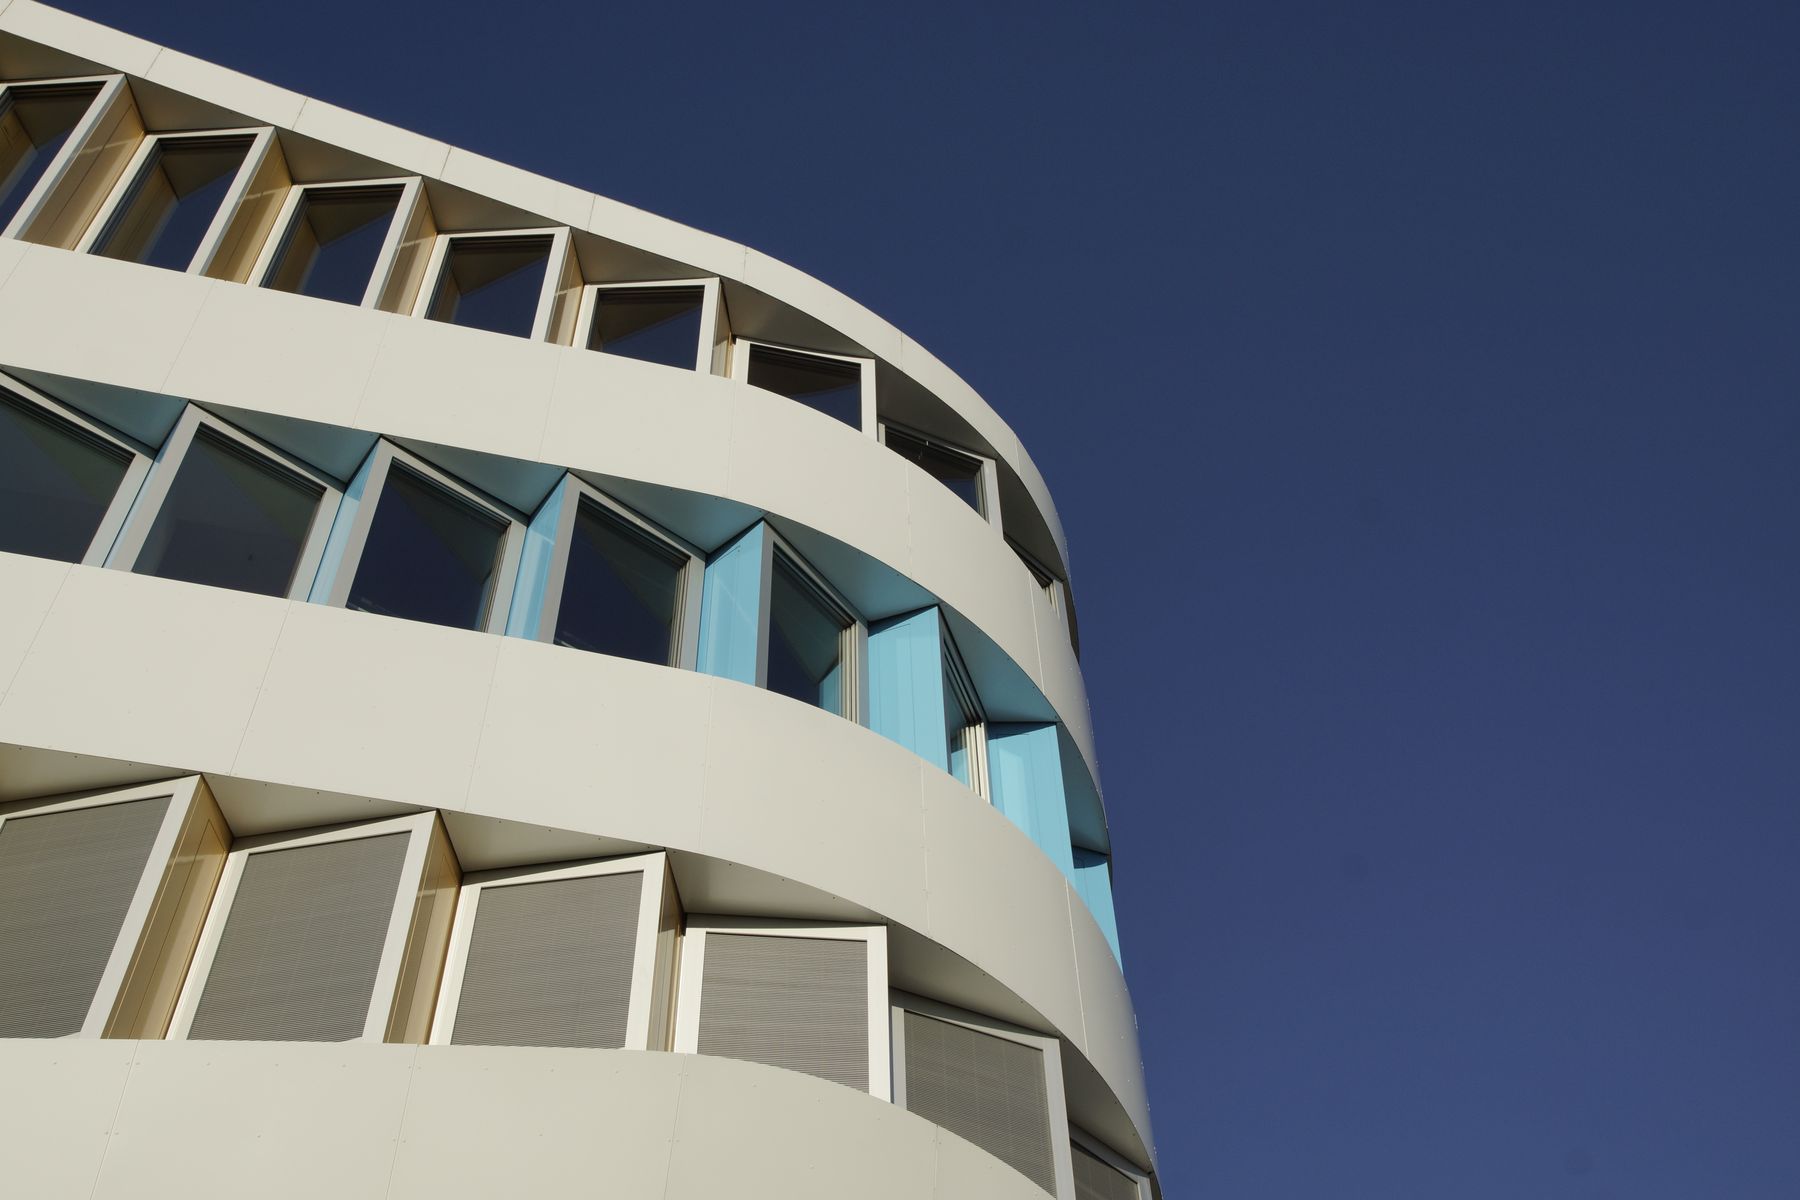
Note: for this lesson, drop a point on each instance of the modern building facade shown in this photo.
(504, 694)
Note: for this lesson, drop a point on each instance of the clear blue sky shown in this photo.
(1418, 383)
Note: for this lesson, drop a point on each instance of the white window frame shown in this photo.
(379, 466)
(711, 315)
(855, 645)
(693, 974)
(970, 702)
(167, 467)
(740, 371)
(418, 828)
(987, 477)
(262, 139)
(688, 591)
(640, 1022)
(1105, 1154)
(79, 135)
(130, 484)
(181, 793)
(554, 266)
(411, 189)
(1055, 1097)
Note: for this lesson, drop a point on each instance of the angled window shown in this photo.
(567, 955)
(669, 323)
(813, 640)
(994, 1084)
(965, 725)
(92, 889)
(35, 123)
(178, 198)
(65, 483)
(224, 509)
(1056, 592)
(337, 241)
(969, 476)
(411, 541)
(501, 282)
(1102, 1175)
(804, 997)
(841, 388)
(308, 935)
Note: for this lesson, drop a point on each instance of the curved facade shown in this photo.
(524, 695)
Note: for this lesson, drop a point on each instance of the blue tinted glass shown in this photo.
(32, 130)
(492, 283)
(832, 387)
(56, 483)
(174, 201)
(430, 555)
(619, 591)
(805, 642)
(334, 241)
(231, 519)
(660, 325)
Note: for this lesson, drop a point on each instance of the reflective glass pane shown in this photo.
(56, 483)
(826, 384)
(958, 472)
(331, 248)
(492, 283)
(806, 641)
(173, 202)
(430, 555)
(232, 519)
(660, 325)
(36, 123)
(619, 592)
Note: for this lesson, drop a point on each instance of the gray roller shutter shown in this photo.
(298, 957)
(795, 1002)
(550, 963)
(66, 880)
(987, 1089)
(1099, 1180)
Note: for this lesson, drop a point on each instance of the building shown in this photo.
(503, 694)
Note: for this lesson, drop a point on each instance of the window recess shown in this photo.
(225, 509)
(340, 241)
(838, 386)
(970, 477)
(596, 576)
(568, 955)
(805, 997)
(411, 541)
(989, 1082)
(40, 126)
(176, 205)
(678, 323)
(101, 899)
(922, 696)
(82, 175)
(66, 483)
(330, 935)
(522, 282)
(1099, 1174)
(1056, 592)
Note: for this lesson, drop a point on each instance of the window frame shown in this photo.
(712, 317)
(690, 992)
(79, 134)
(384, 995)
(741, 348)
(686, 639)
(125, 190)
(987, 477)
(854, 644)
(373, 477)
(281, 234)
(1106, 1154)
(131, 483)
(1055, 1093)
(556, 267)
(642, 1027)
(184, 794)
(167, 467)
(968, 697)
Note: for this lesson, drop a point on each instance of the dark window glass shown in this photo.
(958, 472)
(56, 482)
(960, 720)
(492, 283)
(174, 201)
(832, 387)
(232, 519)
(430, 555)
(620, 590)
(660, 325)
(331, 248)
(36, 123)
(806, 641)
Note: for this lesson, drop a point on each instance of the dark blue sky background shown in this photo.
(1418, 386)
